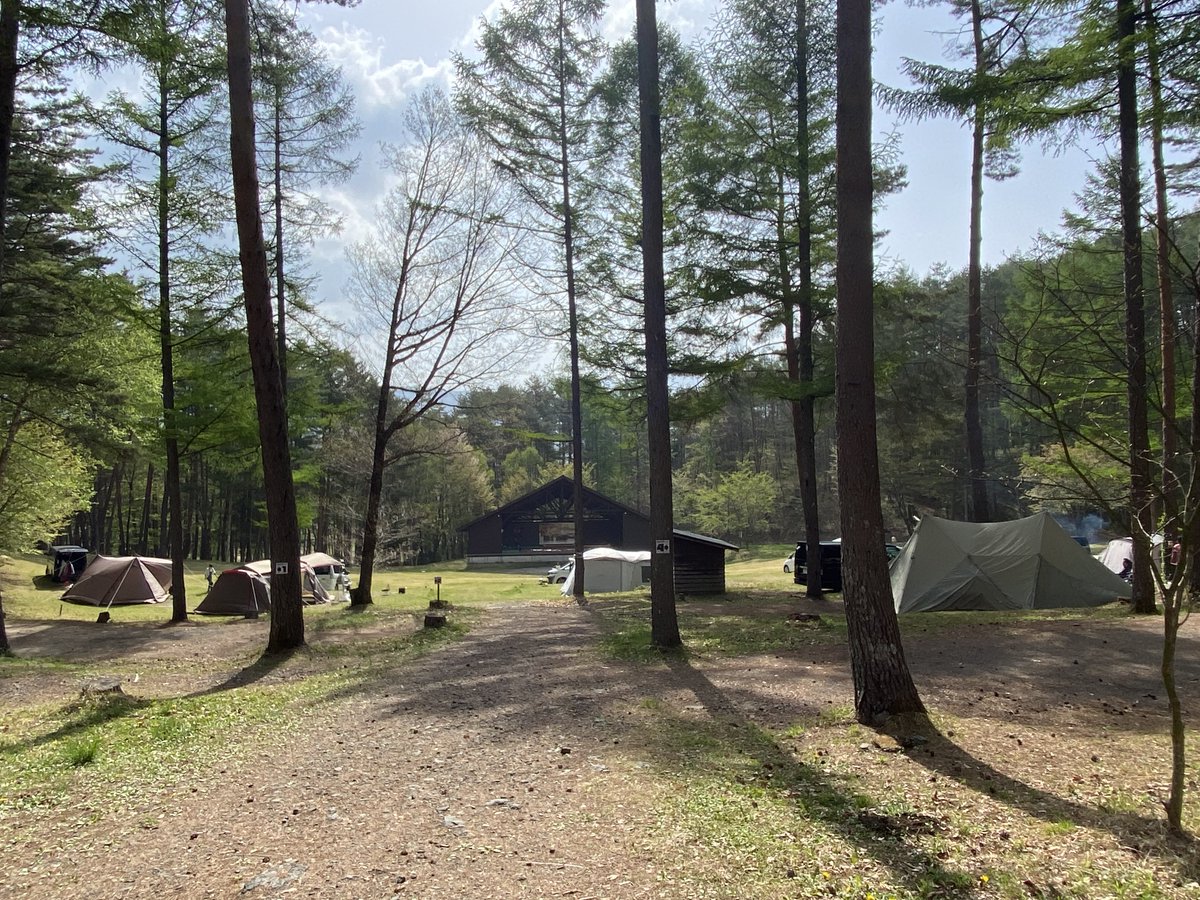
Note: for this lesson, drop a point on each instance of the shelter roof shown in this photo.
(559, 489)
(705, 539)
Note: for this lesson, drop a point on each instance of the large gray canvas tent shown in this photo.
(1027, 564)
(237, 592)
(119, 580)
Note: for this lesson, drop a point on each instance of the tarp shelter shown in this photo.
(237, 592)
(1027, 564)
(311, 590)
(119, 580)
(606, 570)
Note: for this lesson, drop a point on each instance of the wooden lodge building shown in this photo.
(539, 529)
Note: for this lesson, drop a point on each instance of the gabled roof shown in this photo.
(550, 490)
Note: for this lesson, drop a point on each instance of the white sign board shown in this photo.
(281, 568)
(662, 546)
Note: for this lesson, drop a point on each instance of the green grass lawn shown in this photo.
(28, 594)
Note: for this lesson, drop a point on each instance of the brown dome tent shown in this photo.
(237, 592)
(120, 580)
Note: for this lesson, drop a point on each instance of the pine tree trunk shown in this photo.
(143, 542)
(803, 410)
(1172, 485)
(577, 502)
(882, 683)
(172, 492)
(287, 618)
(5, 647)
(361, 595)
(976, 460)
(9, 36)
(664, 622)
(1140, 496)
(280, 295)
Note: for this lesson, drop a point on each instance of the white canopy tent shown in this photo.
(606, 570)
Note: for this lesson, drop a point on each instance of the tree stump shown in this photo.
(435, 619)
(104, 686)
(439, 604)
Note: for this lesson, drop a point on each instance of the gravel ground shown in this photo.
(499, 765)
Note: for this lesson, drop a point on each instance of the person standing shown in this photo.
(209, 574)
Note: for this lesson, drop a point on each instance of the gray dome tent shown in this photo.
(1030, 563)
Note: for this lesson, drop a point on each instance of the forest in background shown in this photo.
(123, 366)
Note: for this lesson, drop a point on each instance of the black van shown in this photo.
(831, 564)
(67, 562)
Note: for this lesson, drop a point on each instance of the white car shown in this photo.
(558, 574)
(790, 563)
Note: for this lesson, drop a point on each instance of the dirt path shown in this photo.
(484, 769)
(502, 765)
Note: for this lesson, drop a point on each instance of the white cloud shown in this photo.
(378, 83)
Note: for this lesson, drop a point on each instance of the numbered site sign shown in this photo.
(281, 568)
(662, 546)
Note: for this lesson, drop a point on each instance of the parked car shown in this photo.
(67, 562)
(831, 563)
(559, 573)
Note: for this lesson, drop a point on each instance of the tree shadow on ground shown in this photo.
(939, 754)
(817, 795)
(249, 674)
(82, 715)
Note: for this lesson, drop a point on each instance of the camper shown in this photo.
(329, 570)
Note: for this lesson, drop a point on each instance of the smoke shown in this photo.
(1088, 526)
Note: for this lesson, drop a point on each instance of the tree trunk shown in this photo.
(119, 513)
(361, 595)
(1140, 497)
(5, 647)
(1176, 591)
(882, 683)
(664, 622)
(287, 617)
(572, 314)
(280, 297)
(143, 542)
(976, 460)
(1172, 487)
(803, 410)
(9, 35)
(173, 493)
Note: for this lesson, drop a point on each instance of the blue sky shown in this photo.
(387, 55)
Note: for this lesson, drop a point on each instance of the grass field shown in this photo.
(28, 594)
